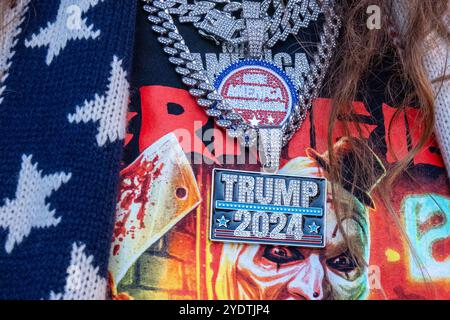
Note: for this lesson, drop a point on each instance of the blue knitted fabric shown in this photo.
(62, 119)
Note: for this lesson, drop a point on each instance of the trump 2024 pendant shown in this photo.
(261, 208)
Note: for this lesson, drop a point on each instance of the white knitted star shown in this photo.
(29, 209)
(83, 281)
(109, 110)
(13, 16)
(69, 25)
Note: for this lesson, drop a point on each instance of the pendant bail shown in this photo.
(255, 24)
(270, 145)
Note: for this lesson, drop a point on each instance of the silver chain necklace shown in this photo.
(255, 101)
(246, 29)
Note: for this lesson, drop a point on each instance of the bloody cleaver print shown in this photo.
(156, 191)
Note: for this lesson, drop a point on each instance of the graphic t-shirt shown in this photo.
(161, 247)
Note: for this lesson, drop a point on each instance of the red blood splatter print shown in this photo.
(136, 183)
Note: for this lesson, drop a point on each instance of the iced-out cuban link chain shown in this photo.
(287, 19)
(290, 18)
(313, 80)
(194, 76)
(192, 73)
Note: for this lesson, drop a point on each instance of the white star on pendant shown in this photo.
(223, 222)
(270, 119)
(254, 122)
(313, 227)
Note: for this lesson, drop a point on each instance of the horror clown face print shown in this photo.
(337, 271)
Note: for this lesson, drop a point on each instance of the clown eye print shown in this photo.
(342, 263)
(281, 255)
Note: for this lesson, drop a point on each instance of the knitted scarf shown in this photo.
(63, 101)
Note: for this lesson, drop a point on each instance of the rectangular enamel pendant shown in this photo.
(261, 208)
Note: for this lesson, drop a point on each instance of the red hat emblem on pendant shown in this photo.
(259, 91)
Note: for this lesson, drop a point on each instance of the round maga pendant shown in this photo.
(259, 91)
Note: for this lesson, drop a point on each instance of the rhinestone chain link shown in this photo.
(195, 77)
